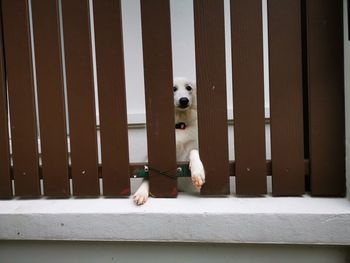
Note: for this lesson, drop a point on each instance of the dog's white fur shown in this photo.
(186, 139)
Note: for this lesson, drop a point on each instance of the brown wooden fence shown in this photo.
(306, 92)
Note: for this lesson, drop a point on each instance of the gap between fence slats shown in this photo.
(19, 70)
(112, 100)
(211, 94)
(248, 96)
(54, 152)
(81, 101)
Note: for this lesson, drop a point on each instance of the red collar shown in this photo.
(180, 125)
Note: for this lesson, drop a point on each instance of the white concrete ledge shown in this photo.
(189, 218)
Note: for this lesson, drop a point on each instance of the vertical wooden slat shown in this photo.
(112, 101)
(286, 97)
(5, 179)
(157, 59)
(211, 93)
(50, 97)
(348, 4)
(81, 102)
(19, 71)
(326, 96)
(248, 96)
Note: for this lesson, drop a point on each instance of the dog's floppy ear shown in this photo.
(194, 97)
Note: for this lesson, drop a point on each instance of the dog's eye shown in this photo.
(189, 88)
(175, 88)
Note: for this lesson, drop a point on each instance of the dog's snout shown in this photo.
(184, 102)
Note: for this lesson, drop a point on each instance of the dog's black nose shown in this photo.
(184, 102)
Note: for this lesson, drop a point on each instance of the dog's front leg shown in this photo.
(197, 169)
(141, 195)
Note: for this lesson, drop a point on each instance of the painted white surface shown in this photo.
(188, 218)
(108, 252)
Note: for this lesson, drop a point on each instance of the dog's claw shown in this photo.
(140, 199)
(198, 180)
(141, 195)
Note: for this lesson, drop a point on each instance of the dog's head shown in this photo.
(184, 94)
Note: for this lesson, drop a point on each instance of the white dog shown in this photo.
(185, 104)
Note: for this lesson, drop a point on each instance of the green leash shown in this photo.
(181, 171)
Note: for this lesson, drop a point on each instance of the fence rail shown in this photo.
(306, 90)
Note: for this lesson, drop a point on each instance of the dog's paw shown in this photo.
(140, 197)
(198, 178)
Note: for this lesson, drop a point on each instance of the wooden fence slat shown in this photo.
(248, 96)
(348, 4)
(325, 56)
(211, 93)
(112, 100)
(21, 97)
(157, 59)
(5, 178)
(286, 97)
(81, 102)
(53, 138)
